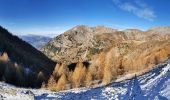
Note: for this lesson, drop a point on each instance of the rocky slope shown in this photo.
(82, 42)
(78, 43)
(109, 52)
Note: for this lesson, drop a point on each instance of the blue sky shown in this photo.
(46, 17)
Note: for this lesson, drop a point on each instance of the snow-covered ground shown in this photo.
(155, 85)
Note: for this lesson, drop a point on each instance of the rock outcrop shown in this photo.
(82, 42)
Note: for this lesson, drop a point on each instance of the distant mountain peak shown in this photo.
(38, 41)
(160, 28)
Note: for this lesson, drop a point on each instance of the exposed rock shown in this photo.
(77, 44)
(82, 42)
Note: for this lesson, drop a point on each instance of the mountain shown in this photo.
(106, 63)
(24, 61)
(101, 55)
(153, 85)
(82, 42)
(36, 40)
(77, 43)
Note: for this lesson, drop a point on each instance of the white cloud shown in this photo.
(137, 8)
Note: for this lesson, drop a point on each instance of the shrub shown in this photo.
(94, 51)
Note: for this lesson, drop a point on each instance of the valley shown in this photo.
(37, 41)
(84, 50)
(87, 60)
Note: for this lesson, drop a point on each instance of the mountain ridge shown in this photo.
(25, 58)
(109, 53)
(86, 36)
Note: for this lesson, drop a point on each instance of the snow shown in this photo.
(154, 85)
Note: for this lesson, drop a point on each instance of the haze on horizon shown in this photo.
(46, 17)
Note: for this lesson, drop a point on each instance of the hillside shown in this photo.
(94, 55)
(97, 57)
(37, 41)
(153, 85)
(21, 53)
(76, 44)
(82, 42)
